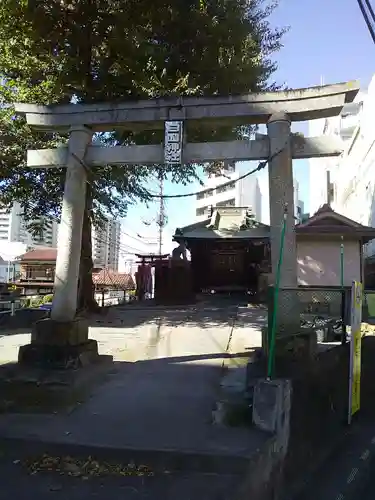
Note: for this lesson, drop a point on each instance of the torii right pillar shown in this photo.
(281, 196)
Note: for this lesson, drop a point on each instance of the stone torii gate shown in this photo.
(276, 109)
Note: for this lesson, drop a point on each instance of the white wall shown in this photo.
(344, 126)
(318, 263)
(355, 179)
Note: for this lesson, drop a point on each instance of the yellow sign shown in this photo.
(355, 350)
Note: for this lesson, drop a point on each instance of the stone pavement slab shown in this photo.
(165, 398)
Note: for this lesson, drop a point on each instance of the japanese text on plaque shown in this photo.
(173, 142)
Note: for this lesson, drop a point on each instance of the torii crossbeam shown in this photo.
(276, 109)
(300, 104)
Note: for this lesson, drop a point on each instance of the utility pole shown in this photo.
(162, 217)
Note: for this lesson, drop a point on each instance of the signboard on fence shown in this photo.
(355, 350)
(173, 142)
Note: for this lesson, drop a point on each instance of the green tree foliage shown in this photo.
(53, 51)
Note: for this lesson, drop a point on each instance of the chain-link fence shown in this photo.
(325, 311)
(368, 307)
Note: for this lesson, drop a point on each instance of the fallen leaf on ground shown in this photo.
(84, 468)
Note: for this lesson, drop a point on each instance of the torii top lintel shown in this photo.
(300, 104)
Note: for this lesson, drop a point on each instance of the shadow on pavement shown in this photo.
(204, 317)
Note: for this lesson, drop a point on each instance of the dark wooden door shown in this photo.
(227, 268)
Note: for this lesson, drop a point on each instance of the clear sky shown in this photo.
(328, 40)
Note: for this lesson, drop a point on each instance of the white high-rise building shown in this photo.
(105, 240)
(352, 175)
(323, 171)
(227, 190)
(106, 245)
(13, 228)
(298, 203)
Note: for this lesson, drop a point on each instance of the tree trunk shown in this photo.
(86, 297)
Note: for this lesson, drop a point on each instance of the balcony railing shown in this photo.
(37, 274)
(33, 279)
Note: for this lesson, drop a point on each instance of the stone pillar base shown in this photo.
(59, 345)
(272, 404)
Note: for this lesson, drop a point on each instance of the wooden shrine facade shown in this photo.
(228, 251)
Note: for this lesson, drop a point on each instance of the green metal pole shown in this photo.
(271, 354)
(342, 262)
(343, 297)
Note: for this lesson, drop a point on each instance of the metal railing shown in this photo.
(12, 301)
(114, 297)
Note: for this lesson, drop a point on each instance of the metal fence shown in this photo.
(302, 310)
(368, 307)
(114, 297)
(10, 302)
(324, 310)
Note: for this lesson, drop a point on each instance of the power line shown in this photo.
(140, 238)
(369, 22)
(260, 166)
(371, 10)
(161, 216)
(162, 197)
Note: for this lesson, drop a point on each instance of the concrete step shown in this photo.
(17, 482)
(156, 460)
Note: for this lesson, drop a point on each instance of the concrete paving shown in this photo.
(349, 470)
(168, 369)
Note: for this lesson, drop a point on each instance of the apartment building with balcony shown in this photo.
(227, 190)
(13, 228)
(106, 245)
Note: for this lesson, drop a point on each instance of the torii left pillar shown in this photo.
(61, 341)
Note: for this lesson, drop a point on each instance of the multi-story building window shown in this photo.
(347, 126)
(205, 194)
(106, 245)
(227, 203)
(13, 228)
(222, 190)
(202, 211)
(352, 173)
(225, 187)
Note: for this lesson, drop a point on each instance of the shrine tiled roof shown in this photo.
(226, 222)
(108, 278)
(40, 254)
(230, 223)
